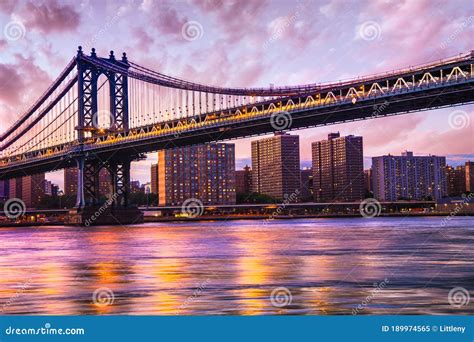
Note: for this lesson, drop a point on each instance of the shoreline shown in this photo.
(151, 219)
(290, 217)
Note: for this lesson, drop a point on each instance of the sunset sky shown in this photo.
(249, 43)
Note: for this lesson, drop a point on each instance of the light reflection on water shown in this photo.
(330, 266)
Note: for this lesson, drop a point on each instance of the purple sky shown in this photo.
(249, 43)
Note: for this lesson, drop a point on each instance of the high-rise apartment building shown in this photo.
(338, 169)
(276, 166)
(204, 172)
(455, 180)
(32, 190)
(48, 188)
(70, 182)
(409, 177)
(135, 187)
(306, 184)
(154, 178)
(368, 180)
(15, 187)
(4, 189)
(469, 169)
(243, 180)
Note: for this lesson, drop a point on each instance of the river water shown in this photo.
(304, 266)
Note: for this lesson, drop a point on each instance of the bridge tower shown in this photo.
(89, 69)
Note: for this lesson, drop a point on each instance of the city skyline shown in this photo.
(368, 164)
(32, 61)
(177, 165)
(461, 160)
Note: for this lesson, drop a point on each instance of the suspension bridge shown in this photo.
(108, 111)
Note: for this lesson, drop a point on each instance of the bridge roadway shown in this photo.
(330, 106)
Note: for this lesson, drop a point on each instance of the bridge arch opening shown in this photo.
(104, 119)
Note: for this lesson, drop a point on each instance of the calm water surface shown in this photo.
(328, 266)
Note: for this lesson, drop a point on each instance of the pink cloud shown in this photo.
(21, 83)
(236, 19)
(143, 39)
(50, 17)
(7, 6)
(413, 40)
(10, 81)
(164, 17)
(217, 67)
(455, 140)
(3, 44)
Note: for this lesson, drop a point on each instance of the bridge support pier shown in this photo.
(120, 177)
(80, 202)
(116, 209)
